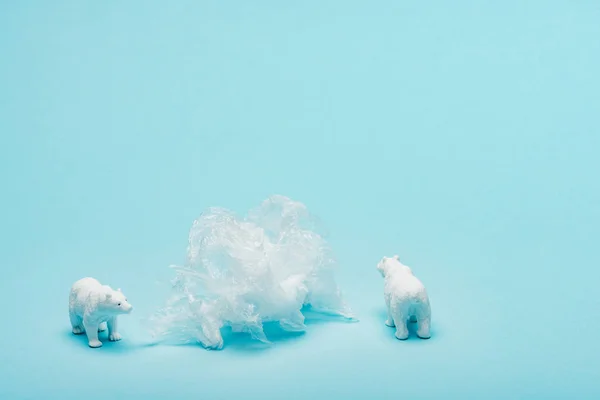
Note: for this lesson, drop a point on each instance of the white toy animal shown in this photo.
(405, 297)
(93, 306)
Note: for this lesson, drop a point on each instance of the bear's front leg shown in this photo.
(113, 335)
(91, 330)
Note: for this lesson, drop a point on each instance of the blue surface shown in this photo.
(463, 136)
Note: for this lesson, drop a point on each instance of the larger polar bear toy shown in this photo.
(93, 307)
(405, 297)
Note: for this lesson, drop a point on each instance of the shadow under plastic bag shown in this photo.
(276, 334)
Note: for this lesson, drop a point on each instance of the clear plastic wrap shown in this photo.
(243, 272)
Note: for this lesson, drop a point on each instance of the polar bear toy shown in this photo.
(93, 307)
(405, 297)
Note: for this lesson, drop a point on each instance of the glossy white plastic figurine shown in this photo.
(405, 297)
(93, 306)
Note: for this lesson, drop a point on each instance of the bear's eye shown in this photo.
(119, 304)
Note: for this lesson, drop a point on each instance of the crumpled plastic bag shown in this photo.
(244, 272)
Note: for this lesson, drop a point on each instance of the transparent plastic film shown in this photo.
(244, 272)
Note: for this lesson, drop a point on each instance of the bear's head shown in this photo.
(391, 265)
(116, 302)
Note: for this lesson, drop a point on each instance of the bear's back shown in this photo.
(86, 284)
(85, 290)
(407, 284)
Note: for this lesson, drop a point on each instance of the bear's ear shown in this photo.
(119, 290)
(108, 296)
(396, 257)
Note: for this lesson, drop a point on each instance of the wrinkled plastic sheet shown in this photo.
(242, 272)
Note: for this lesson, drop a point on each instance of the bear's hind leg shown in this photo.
(400, 321)
(423, 328)
(390, 321)
(102, 327)
(76, 324)
(424, 322)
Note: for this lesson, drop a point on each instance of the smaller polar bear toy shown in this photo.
(405, 297)
(93, 307)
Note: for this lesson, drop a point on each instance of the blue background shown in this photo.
(463, 136)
